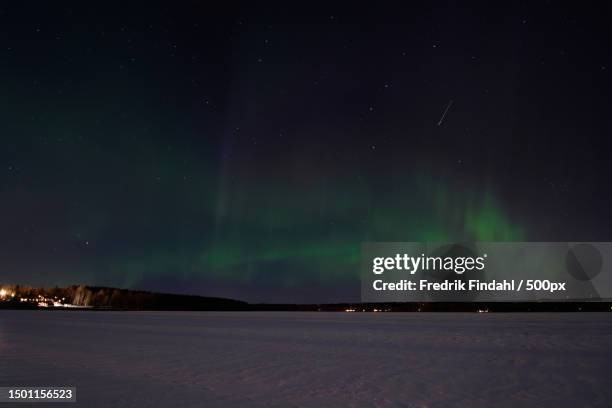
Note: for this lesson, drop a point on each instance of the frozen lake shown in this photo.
(194, 359)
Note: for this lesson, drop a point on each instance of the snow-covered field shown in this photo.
(199, 359)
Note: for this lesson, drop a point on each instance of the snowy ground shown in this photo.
(311, 359)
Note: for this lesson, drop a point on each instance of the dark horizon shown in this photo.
(83, 297)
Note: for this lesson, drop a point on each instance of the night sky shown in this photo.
(247, 152)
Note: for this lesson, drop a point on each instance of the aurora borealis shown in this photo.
(248, 152)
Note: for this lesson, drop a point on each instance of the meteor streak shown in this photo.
(450, 103)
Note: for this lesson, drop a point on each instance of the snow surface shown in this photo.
(199, 359)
